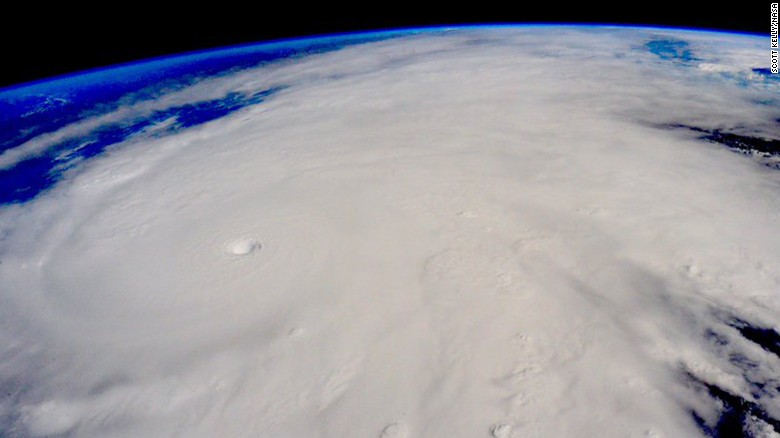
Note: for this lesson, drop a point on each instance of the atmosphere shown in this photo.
(66, 38)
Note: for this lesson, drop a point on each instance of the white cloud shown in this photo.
(454, 233)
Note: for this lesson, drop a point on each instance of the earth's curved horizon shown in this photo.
(390, 31)
(484, 230)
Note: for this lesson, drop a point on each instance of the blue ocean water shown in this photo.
(30, 110)
(671, 50)
(28, 178)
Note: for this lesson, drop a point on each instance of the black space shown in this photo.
(40, 41)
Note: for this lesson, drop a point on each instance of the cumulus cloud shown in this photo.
(461, 233)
